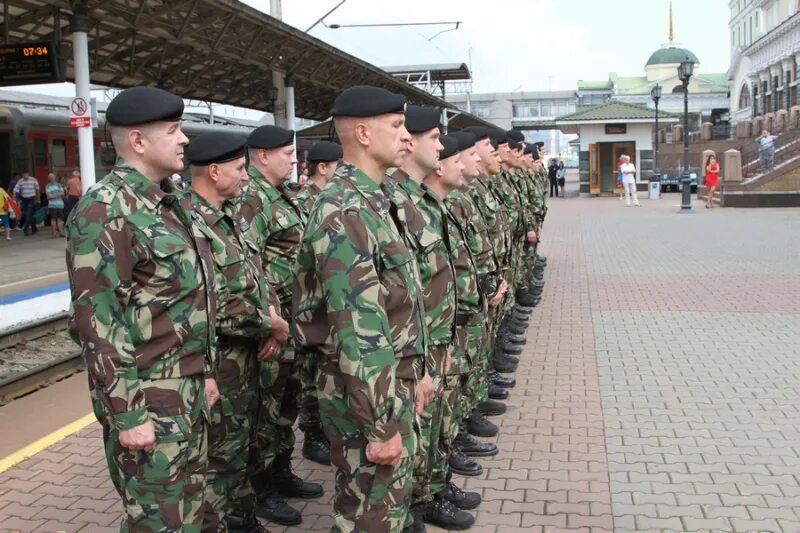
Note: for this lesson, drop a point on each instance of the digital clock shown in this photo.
(28, 63)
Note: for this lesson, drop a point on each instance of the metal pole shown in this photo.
(686, 202)
(289, 85)
(79, 26)
(658, 168)
(275, 9)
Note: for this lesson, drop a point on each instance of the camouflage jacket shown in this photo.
(276, 225)
(431, 245)
(143, 297)
(496, 219)
(470, 299)
(485, 219)
(356, 299)
(307, 196)
(242, 293)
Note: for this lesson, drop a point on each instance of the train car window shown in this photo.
(40, 152)
(59, 153)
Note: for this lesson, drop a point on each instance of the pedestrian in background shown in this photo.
(628, 171)
(620, 177)
(552, 169)
(766, 150)
(74, 192)
(27, 192)
(55, 205)
(5, 209)
(561, 177)
(712, 179)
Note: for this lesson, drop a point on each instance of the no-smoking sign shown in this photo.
(79, 107)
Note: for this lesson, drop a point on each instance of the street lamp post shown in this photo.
(685, 71)
(655, 94)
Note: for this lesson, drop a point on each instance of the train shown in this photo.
(35, 136)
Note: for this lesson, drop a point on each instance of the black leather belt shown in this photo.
(462, 319)
(237, 342)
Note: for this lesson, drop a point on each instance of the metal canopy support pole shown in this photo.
(289, 88)
(79, 26)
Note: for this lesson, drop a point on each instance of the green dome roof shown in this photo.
(671, 55)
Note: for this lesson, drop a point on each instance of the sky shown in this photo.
(515, 45)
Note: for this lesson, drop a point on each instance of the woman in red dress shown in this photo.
(712, 179)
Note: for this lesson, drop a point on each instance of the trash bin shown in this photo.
(654, 188)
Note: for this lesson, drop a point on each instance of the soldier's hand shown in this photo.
(142, 437)
(533, 238)
(387, 452)
(270, 349)
(424, 394)
(280, 328)
(212, 392)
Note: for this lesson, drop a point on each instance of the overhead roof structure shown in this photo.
(436, 78)
(215, 50)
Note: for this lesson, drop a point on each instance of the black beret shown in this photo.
(499, 136)
(465, 139)
(450, 144)
(269, 137)
(142, 105)
(367, 101)
(494, 143)
(529, 149)
(514, 145)
(536, 156)
(420, 119)
(515, 135)
(324, 151)
(480, 132)
(539, 143)
(216, 147)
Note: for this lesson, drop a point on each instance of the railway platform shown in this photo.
(657, 390)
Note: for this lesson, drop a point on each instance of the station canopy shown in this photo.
(215, 50)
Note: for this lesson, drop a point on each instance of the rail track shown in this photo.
(36, 355)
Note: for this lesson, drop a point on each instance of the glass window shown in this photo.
(547, 109)
(40, 152)
(58, 154)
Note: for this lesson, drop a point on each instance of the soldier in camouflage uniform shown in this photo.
(276, 226)
(143, 310)
(423, 215)
(357, 308)
(247, 327)
(323, 158)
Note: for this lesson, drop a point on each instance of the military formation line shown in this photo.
(383, 307)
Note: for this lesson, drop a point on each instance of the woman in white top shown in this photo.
(629, 181)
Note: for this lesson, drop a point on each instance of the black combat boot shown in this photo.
(504, 364)
(419, 524)
(464, 500)
(501, 381)
(463, 465)
(517, 340)
(491, 408)
(524, 298)
(472, 447)
(270, 505)
(316, 447)
(289, 484)
(442, 513)
(496, 392)
(480, 427)
(508, 347)
(513, 327)
(255, 527)
(541, 259)
(522, 309)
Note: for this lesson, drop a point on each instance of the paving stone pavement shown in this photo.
(658, 390)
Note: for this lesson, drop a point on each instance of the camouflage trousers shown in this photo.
(368, 498)
(162, 490)
(229, 496)
(309, 401)
(475, 386)
(428, 456)
(450, 416)
(279, 391)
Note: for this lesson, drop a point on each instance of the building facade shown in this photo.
(765, 61)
